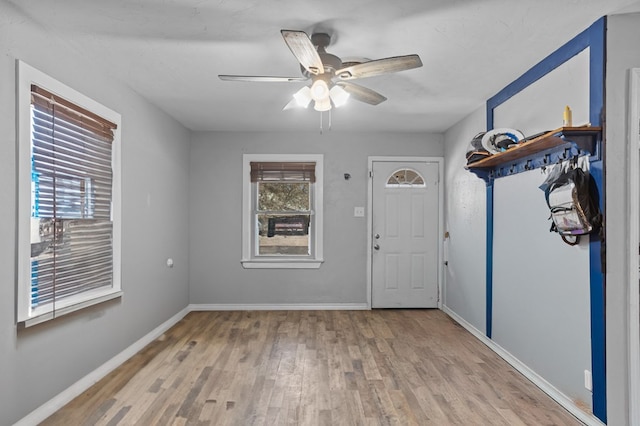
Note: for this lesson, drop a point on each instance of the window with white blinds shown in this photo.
(71, 218)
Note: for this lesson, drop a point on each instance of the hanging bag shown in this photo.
(574, 204)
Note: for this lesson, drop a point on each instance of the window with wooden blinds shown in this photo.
(282, 211)
(71, 152)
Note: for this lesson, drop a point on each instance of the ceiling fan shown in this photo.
(330, 77)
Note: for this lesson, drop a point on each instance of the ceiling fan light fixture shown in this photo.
(303, 97)
(320, 90)
(339, 96)
(322, 105)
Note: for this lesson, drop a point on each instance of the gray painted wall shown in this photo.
(541, 312)
(623, 33)
(42, 361)
(465, 220)
(216, 275)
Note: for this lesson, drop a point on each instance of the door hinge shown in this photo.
(370, 173)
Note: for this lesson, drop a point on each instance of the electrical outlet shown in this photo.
(587, 380)
(358, 211)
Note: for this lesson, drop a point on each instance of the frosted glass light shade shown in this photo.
(303, 97)
(339, 96)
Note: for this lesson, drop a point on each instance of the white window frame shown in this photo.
(26, 315)
(249, 259)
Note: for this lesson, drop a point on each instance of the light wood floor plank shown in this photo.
(381, 367)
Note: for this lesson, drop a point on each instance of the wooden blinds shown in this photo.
(75, 114)
(283, 171)
(72, 191)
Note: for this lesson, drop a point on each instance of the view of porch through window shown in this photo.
(283, 218)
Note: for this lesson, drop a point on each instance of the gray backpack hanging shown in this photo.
(573, 200)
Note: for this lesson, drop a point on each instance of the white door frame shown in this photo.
(633, 197)
(440, 161)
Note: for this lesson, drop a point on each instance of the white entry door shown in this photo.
(404, 250)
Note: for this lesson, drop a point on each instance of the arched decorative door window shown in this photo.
(405, 178)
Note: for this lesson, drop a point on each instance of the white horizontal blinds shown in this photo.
(72, 181)
(264, 171)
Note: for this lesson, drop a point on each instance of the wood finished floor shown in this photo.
(381, 367)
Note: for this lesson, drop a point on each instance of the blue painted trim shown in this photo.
(598, 318)
(597, 60)
(489, 261)
(597, 63)
(490, 107)
(594, 38)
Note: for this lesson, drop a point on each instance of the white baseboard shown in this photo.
(534, 377)
(63, 398)
(280, 307)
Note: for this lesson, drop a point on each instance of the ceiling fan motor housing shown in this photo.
(321, 40)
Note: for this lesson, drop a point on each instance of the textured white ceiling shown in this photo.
(171, 52)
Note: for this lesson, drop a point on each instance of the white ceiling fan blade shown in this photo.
(304, 51)
(379, 66)
(362, 94)
(261, 78)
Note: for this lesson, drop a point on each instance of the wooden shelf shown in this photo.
(584, 137)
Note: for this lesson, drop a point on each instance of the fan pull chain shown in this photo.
(322, 120)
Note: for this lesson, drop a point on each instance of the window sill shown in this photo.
(281, 263)
(97, 298)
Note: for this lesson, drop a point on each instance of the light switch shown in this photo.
(358, 211)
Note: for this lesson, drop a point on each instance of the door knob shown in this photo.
(377, 236)
(376, 246)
